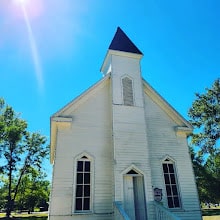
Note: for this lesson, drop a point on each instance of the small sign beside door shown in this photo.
(158, 194)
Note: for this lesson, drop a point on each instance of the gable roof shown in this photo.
(81, 98)
(148, 89)
(183, 125)
(121, 42)
(61, 118)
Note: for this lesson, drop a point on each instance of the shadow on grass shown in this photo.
(210, 212)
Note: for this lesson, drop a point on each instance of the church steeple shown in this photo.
(129, 133)
(121, 42)
(121, 46)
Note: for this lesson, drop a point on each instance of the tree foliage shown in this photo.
(3, 192)
(205, 118)
(20, 150)
(33, 191)
(207, 177)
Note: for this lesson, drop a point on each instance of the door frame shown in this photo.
(135, 172)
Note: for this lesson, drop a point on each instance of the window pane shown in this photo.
(86, 204)
(171, 185)
(166, 177)
(170, 202)
(83, 180)
(87, 178)
(80, 166)
(172, 177)
(174, 189)
(171, 170)
(79, 191)
(168, 188)
(176, 202)
(165, 168)
(78, 204)
(87, 190)
(79, 178)
(87, 166)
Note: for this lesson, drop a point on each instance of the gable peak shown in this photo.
(121, 42)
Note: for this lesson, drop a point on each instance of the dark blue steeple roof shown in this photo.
(121, 42)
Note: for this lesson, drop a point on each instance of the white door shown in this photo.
(139, 198)
(129, 196)
(134, 197)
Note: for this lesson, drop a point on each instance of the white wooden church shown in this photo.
(119, 150)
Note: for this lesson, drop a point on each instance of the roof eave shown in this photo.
(78, 98)
(55, 123)
(182, 123)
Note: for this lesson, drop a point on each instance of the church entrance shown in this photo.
(134, 196)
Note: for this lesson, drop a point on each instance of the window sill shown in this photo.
(176, 209)
(82, 213)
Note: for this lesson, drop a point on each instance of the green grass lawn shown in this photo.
(208, 214)
(217, 217)
(24, 216)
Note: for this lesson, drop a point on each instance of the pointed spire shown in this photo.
(121, 42)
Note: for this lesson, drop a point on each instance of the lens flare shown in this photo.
(33, 46)
(21, 2)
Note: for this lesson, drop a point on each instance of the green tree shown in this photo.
(19, 150)
(33, 191)
(3, 193)
(207, 180)
(205, 118)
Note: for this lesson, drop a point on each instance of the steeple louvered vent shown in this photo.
(127, 91)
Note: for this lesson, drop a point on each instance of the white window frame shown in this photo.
(87, 159)
(172, 186)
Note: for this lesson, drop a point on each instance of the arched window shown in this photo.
(170, 179)
(127, 91)
(83, 185)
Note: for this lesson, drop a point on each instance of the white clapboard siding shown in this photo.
(91, 132)
(163, 141)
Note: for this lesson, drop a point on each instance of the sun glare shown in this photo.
(22, 2)
(28, 10)
(34, 8)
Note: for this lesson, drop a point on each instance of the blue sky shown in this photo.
(52, 50)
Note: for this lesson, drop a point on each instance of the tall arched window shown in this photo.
(127, 91)
(170, 179)
(83, 185)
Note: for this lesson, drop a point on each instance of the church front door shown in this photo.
(134, 197)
